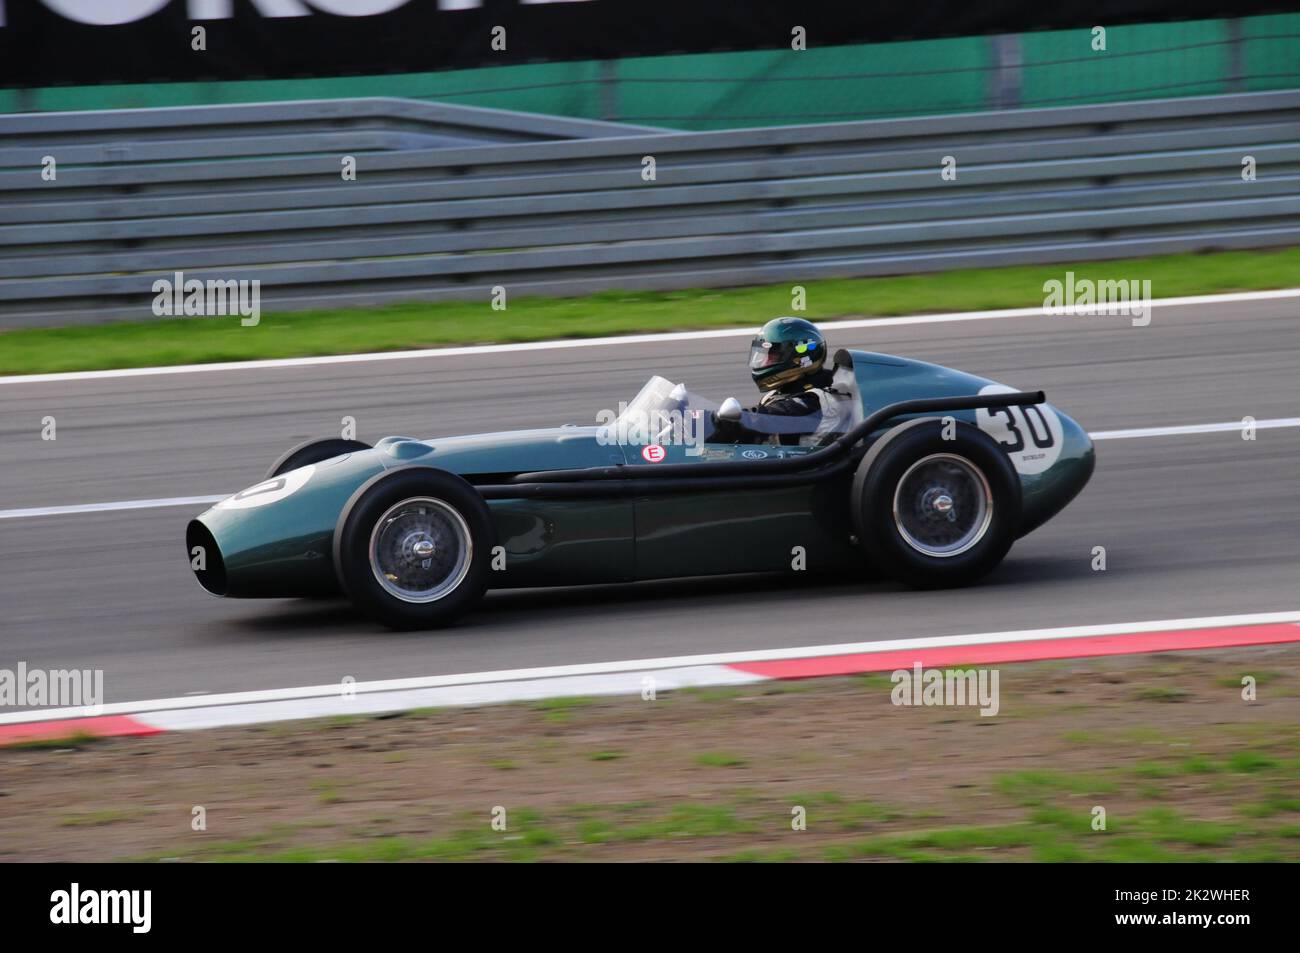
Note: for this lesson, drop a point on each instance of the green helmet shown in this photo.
(785, 350)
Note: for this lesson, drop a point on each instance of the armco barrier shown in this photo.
(449, 202)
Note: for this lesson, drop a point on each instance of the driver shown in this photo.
(787, 361)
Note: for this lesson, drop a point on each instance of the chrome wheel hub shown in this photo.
(420, 549)
(942, 505)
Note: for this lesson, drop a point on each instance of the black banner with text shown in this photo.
(50, 42)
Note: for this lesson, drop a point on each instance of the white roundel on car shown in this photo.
(1031, 435)
(269, 491)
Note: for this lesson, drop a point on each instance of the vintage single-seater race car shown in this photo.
(926, 474)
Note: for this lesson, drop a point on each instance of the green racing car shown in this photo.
(923, 473)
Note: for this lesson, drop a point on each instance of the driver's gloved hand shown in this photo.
(725, 431)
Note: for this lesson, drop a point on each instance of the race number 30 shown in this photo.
(1030, 435)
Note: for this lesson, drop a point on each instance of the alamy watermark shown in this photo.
(627, 426)
(179, 296)
(933, 686)
(133, 908)
(57, 688)
(1084, 296)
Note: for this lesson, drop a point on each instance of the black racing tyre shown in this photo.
(932, 512)
(313, 451)
(413, 547)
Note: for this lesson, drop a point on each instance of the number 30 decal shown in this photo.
(1030, 435)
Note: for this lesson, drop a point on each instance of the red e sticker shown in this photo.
(653, 453)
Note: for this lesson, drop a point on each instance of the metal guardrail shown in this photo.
(255, 192)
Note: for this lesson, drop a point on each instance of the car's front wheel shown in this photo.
(936, 506)
(412, 548)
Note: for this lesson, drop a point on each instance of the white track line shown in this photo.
(73, 508)
(622, 340)
(1231, 425)
(335, 690)
(487, 693)
(109, 507)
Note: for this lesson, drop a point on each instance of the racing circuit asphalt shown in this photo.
(1193, 525)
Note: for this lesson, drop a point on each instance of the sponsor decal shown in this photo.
(653, 453)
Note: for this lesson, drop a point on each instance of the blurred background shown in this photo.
(724, 67)
(504, 144)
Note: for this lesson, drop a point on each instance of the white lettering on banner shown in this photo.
(105, 12)
(117, 12)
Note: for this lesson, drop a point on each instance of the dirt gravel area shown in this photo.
(1163, 750)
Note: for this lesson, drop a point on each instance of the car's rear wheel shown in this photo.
(412, 548)
(313, 451)
(934, 512)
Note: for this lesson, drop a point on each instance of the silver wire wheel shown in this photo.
(420, 549)
(943, 505)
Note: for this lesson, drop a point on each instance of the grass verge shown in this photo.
(416, 325)
(1078, 766)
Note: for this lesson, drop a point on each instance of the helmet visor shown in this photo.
(763, 353)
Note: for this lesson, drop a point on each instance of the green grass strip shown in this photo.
(418, 325)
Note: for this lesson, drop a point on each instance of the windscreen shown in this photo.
(662, 412)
